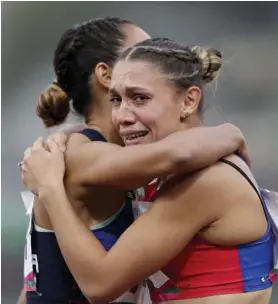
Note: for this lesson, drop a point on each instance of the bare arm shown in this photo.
(130, 167)
(22, 297)
(105, 275)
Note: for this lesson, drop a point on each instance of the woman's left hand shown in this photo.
(42, 168)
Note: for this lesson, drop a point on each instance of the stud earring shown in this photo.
(184, 115)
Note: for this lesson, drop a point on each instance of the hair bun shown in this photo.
(211, 61)
(53, 105)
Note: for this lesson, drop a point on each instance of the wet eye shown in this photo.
(115, 100)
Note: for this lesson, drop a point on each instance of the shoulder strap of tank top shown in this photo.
(247, 178)
(93, 135)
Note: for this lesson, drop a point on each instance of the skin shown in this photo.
(89, 165)
(235, 215)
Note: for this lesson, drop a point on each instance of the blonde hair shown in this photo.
(211, 61)
(177, 60)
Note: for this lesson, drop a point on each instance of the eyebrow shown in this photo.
(127, 89)
(112, 91)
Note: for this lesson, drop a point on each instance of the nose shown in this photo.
(124, 115)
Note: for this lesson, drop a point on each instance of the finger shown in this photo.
(45, 146)
(38, 144)
(245, 154)
(53, 146)
(61, 140)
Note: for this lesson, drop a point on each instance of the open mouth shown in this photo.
(134, 138)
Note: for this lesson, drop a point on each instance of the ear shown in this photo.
(191, 101)
(102, 74)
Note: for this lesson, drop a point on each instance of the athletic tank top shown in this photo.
(50, 281)
(203, 269)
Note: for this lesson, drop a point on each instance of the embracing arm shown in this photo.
(166, 228)
(22, 297)
(98, 163)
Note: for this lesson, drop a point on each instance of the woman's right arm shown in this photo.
(98, 163)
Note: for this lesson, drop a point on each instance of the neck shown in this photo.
(100, 127)
(100, 120)
(195, 122)
(192, 122)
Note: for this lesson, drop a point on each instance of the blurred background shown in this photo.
(246, 93)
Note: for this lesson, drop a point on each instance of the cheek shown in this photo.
(114, 117)
(145, 117)
(166, 121)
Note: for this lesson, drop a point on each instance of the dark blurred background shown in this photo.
(246, 92)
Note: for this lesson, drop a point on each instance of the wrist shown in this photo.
(52, 192)
(175, 161)
(234, 131)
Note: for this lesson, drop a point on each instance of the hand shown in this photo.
(43, 169)
(62, 136)
(59, 138)
(227, 138)
(242, 148)
(199, 147)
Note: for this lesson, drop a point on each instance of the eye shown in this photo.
(115, 100)
(140, 98)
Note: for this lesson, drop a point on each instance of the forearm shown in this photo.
(180, 152)
(201, 155)
(215, 143)
(105, 275)
(22, 297)
(105, 164)
(204, 146)
(132, 167)
(83, 253)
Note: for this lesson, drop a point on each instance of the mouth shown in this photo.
(135, 138)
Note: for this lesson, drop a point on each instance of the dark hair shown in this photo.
(183, 65)
(79, 50)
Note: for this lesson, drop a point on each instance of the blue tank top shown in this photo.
(55, 284)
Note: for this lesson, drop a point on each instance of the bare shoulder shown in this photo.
(226, 186)
(216, 188)
(76, 139)
(241, 215)
(222, 178)
(217, 201)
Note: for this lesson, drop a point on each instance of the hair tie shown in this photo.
(56, 84)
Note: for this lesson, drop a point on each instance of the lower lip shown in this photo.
(135, 141)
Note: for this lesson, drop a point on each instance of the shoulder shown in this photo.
(212, 189)
(218, 177)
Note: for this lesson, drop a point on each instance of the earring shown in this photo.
(184, 115)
